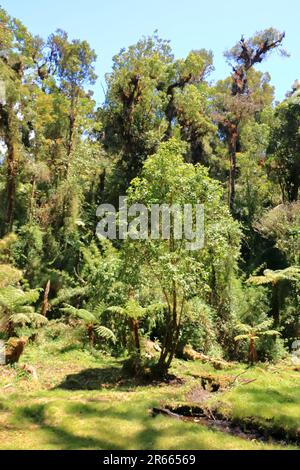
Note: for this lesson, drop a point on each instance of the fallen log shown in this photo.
(166, 412)
(190, 354)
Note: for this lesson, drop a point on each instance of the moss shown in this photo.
(112, 412)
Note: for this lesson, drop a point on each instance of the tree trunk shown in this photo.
(171, 337)
(293, 187)
(233, 138)
(252, 352)
(10, 329)
(72, 130)
(12, 172)
(102, 182)
(136, 337)
(32, 200)
(72, 121)
(91, 335)
(277, 301)
(45, 307)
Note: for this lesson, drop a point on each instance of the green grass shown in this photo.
(274, 398)
(102, 411)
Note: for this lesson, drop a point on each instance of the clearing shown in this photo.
(82, 401)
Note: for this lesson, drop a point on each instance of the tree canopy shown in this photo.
(166, 135)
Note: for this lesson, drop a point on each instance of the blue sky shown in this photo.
(192, 24)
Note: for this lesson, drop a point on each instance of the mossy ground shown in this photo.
(81, 401)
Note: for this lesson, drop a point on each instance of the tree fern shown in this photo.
(92, 322)
(276, 280)
(16, 309)
(251, 333)
(274, 277)
(132, 310)
(35, 320)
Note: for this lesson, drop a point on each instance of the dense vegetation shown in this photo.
(165, 134)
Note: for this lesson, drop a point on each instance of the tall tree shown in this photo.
(74, 70)
(150, 97)
(15, 60)
(181, 273)
(240, 102)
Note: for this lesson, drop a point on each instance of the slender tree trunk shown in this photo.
(252, 352)
(10, 329)
(91, 335)
(45, 307)
(279, 293)
(102, 181)
(72, 130)
(12, 172)
(32, 199)
(10, 190)
(136, 336)
(166, 342)
(171, 338)
(72, 121)
(233, 138)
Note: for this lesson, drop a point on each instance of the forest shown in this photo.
(105, 340)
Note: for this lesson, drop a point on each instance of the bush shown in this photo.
(270, 349)
(198, 329)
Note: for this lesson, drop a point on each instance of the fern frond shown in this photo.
(83, 314)
(131, 310)
(271, 333)
(12, 298)
(105, 333)
(26, 309)
(31, 318)
(240, 337)
(100, 308)
(117, 310)
(19, 319)
(155, 308)
(6, 243)
(37, 320)
(65, 295)
(264, 325)
(274, 277)
(259, 280)
(243, 328)
(9, 276)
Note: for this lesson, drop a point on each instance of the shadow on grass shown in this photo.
(111, 428)
(147, 434)
(113, 437)
(95, 379)
(270, 395)
(57, 435)
(112, 425)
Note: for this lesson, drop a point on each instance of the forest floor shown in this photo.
(82, 401)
